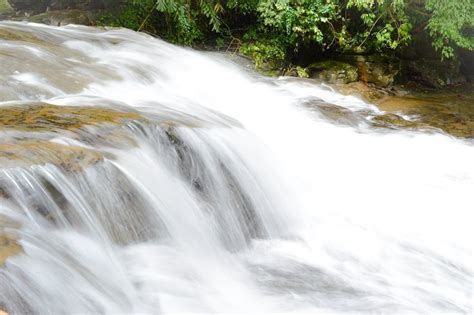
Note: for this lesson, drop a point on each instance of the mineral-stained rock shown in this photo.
(448, 110)
(333, 71)
(375, 69)
(39, 152)
(8, 247)
(64, 17)
(8, 244)
(47, 117)
(19, 36)
(450, 113)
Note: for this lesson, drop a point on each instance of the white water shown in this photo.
(292, 214)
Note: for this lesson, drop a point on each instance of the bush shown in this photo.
(272, 32)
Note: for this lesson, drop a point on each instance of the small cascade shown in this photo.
(141, 177)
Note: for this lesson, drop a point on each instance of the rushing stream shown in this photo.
(217, 190)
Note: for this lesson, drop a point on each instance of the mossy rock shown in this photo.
(65, 17)
(332, 71)
(47, 117)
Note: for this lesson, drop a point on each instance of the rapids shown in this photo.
(256, 203)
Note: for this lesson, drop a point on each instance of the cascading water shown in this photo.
(222, 191)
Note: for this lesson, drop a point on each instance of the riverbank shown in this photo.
(450, 109)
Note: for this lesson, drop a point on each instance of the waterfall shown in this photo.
(197, 185)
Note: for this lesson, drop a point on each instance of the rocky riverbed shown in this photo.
(450, 110)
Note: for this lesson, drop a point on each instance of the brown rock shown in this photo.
(39, 152)
(8, 244)
(47, 117)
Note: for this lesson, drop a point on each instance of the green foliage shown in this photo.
(131, 16)
(282, 26)
(265, 52)
(300, 21)
(272, 32)
(451, 25)
(180, 21)
(4, 6)
(302, 72)
(356, 26)
(378, 25)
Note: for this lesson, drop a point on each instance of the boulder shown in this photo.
(65, 17)
(332, 71)
(375, 69)
(344, 69)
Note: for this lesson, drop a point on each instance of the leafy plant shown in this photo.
(451, 25)
(376, 25)
(273, 32)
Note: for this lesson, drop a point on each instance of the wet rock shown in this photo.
(332, 71)
(40, 152)
(51, 75)
(33, 124)
(46, 117)
(65, 17)
(8, 244)
(20, 36)
(391, 120)
(449, 110)
(378, 70)
(334, 113)
(343, 69)
(367, 92)
(8, 247)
